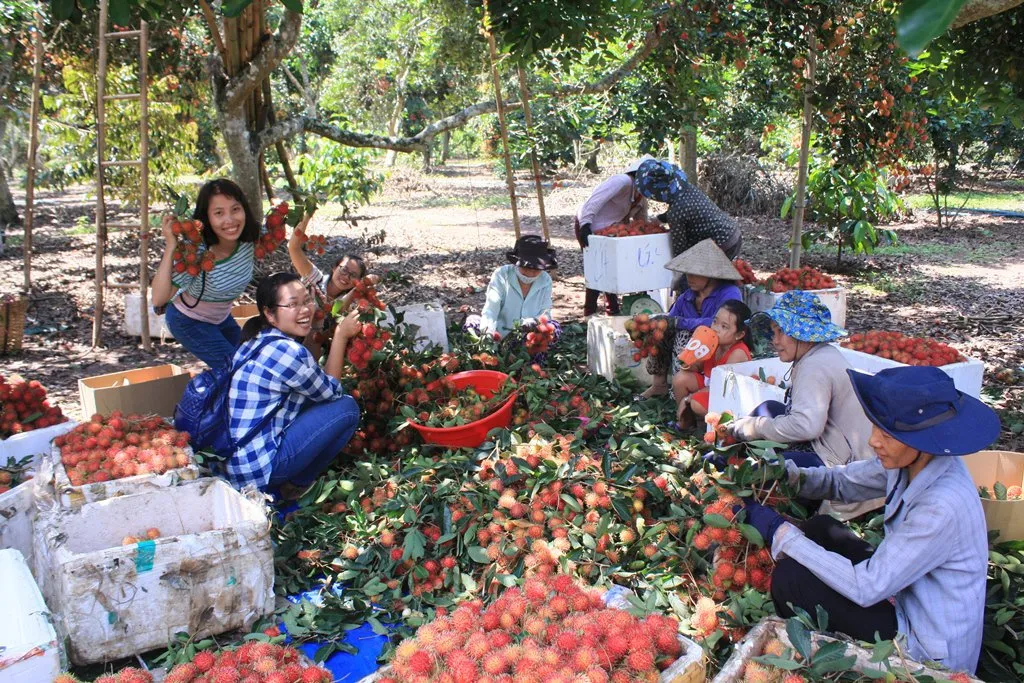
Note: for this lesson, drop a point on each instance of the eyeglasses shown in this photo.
(307, 302)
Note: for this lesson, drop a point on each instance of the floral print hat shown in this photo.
(802, 316)
(659, 180)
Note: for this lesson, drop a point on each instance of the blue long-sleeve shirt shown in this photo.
(933, 559)
(684, 310)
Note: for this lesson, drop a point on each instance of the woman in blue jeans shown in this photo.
(303, 416)
(199, 302)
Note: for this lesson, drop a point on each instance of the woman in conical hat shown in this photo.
(711, 281)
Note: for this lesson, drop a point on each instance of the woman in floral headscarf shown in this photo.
(691, 216)
(822, 421)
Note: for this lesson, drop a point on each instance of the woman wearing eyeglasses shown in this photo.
(333, 285)
(301, 413)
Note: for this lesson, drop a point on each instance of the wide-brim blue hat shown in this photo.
(921, 407)
(802, 316)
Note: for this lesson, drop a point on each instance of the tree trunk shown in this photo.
(8, 209)
(446, 141)
(244, 162)
(979, 9)
(805, 147)
(688, 153)
(427, 154)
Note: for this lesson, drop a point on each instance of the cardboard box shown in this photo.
(623, 265)
(242, 312)
(609, 348)
(211, 571)
(31, 650)
(759, 299)
(133, 319)
(154, 390)
(1006, 467)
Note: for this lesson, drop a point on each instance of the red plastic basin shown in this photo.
(471, 435)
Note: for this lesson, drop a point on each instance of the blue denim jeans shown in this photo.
(212, 344)
(313, 440)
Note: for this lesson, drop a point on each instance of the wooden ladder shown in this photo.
(102, 226)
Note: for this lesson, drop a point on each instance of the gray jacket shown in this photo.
(933, 559)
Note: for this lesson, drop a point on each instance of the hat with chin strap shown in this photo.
(921, 407)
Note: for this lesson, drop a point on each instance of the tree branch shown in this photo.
(979, 9)
(419, 142)
(270, 53)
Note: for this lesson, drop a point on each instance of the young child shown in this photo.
(690, 385)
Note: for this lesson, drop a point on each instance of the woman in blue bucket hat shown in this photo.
(821, 419)
(926, 579)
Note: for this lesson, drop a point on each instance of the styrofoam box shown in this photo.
(17, 514)
(967, 376)
(609, 347)
(74, 497)
(622, 265)
(30, 649)
(758, 299)
(210, 572)
(35, 443)
(428, 318)
(133, 319)
(734, 391)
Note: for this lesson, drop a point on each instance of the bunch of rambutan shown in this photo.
(254, 662)
(738, 563)
(129, 675)
(551, 630)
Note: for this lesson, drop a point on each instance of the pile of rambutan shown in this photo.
(551, 630)
(254, 662)
(129, 675)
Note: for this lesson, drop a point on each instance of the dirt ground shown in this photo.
(439, 236)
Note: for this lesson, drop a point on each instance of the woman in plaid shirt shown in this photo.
(302, 414)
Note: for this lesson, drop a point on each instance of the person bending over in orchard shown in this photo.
(926, 579)
(711, 281)
(691, 216)
(519, 291)
(199, 306)
(821, 420)
(616, 200)
(691, 386)
(303, 415)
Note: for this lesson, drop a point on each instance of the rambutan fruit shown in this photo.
(560, 605)
(616, 646)
(797, 678)
(265, 665)
(774, 647)
(702, 541)
(204, 661)
(562, 582)
(422, 663)
(183, 673)
(584, 658)
(759, 673)
(640, 660)
(316, 674)
(495, 663)
(477, 645)
(498, 639)
(224, 674)
(464, 671)
(596, 674)
(65, 677)
(566, 641)
(535, 591)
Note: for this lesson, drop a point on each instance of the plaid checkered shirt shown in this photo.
(283, 373)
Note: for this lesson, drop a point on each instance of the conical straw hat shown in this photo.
(705, 259)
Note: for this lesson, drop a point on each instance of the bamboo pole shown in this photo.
(211, 23)
(147, 342)
(509, 178)
(524, 91)
(101, 209)
(805, 147)
(33, 148)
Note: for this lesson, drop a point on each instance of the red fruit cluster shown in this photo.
(187, 256)
(539, 339)
(106, 448)
(129, 675)
(24, 407)
(631, 229)
(454, 407)
(549, 630)
(738, 563)
(314, 244)
(360, 348)
(904, 349)
(254, 661)
(806, 278)
(747, 276)
(364, 296)
(273, 234)
(647, 334)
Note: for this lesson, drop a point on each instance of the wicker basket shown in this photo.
(12, 325)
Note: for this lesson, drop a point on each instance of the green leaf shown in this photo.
(717, 521)
(377, 627)
(779, 662)
(62, 9)
(882, 651)
(786, 206)
(293, 5)
(920, 21)
(752, 534)
(827, 665)
(232, 8)
(1000, 490)
(414, 545)
(800, 636)
(478, 554)
(120, 12)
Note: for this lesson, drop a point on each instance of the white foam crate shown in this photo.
(429, 319)
(967, 376)
(759, 299)
(74, 497)
(211, 571)
(733, 389)
(133, 319)
(29, 647)
(609, 348)
(17, 514)
(623, 265)
(35, 443)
